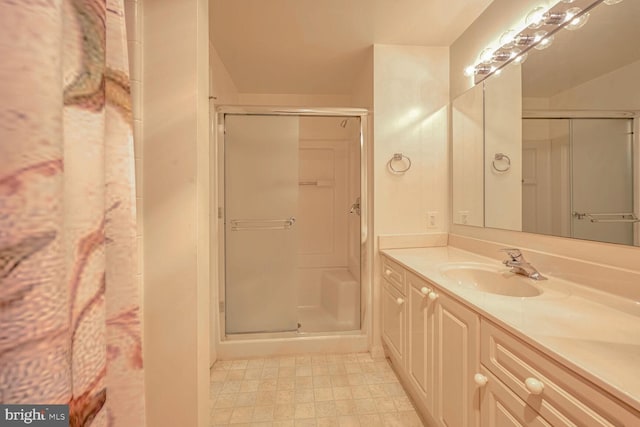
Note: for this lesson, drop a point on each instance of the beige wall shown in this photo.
(224, 91)
(410, 96)
(294, 100)
(467, 117)
(617, 90)
(176, 268)
(221, 86)
(362, 93)
(500, 16)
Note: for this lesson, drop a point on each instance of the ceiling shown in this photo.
(608, 41)
(320, 46)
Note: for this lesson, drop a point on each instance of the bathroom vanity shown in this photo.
(561, 355)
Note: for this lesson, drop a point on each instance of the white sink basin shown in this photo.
(491, 279)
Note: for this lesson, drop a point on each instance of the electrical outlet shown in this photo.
(432, 219)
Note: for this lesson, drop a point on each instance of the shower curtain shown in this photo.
(69, 299)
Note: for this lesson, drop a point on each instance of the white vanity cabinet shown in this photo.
(463, 370)
(442, 350)
(561, 397)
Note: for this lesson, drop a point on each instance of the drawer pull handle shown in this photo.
(425, 291)
(433, 296)
(480, 380)
(388, 272)
(534, 386)
(399, 301)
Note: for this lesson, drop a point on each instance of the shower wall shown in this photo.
(329, 182)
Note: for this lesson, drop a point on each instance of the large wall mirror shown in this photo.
(561, 153)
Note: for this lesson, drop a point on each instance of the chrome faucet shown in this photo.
(521, 266)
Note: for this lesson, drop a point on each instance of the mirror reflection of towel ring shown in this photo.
(396, 158)
(499, 157)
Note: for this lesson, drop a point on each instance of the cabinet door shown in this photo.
(393, 320)
(457, 401)
(503, 408)
(421, 331)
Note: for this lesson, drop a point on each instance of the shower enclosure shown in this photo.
(292, 256)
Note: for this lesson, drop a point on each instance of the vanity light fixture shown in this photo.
(541, 25)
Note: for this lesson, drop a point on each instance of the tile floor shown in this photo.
(319, 390)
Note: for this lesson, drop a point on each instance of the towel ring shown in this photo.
(397, 157)
(501, 156)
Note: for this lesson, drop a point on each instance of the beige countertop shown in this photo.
(594, 333)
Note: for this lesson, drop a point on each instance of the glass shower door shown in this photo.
(261, 201)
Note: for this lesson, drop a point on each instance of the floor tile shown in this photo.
(284, 412)
(241, 415)
(245, 399)
(263, 413)
(305, 410)
(309, 390)
(342, 393)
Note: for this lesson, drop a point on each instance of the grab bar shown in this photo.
(236, 224)
(595, 217)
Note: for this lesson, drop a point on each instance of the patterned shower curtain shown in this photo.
(69, 299)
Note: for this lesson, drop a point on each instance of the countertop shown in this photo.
(595, 334)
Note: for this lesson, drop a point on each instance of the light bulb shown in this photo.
(486, 56)
(535, 18)
(520, 58)
(611, 2)
(470, 70)
(507, 39)
(544, 40)
(539, 35)
(575, 22)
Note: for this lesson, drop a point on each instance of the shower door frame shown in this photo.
(218, 223)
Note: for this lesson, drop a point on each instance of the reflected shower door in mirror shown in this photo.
(577, 178)
(468, 146)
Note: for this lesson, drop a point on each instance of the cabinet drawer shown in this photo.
(394, 274)
(564, 399)
(500, 407)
